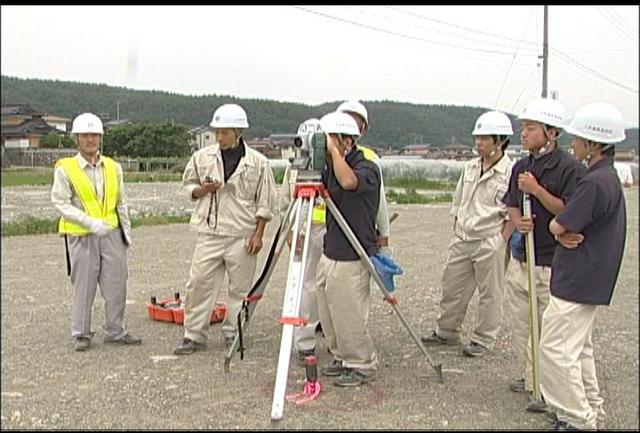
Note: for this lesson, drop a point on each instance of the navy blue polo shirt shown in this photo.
(558, 173)
(358, 207)
(587, 274)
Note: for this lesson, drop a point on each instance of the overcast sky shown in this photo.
(483, 56)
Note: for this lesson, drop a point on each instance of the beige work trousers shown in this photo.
(473, 264)
(518, 304)
(304, 337)
(568, 372)
(344, 299)
(98, 261)
(212, 257)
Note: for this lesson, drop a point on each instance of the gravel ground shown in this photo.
(45, 384)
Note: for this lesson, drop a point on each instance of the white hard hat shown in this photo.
(309, 126)
(229, 116)
(545, 110)
(493, 123)
(600, 122)
(339, 123)
(353, 106)
(87, 123)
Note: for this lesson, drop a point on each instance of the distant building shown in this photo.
(23, 126)
(202, 136)
(58, 122)
(417, 149)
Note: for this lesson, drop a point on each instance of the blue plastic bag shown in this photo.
(386, 268)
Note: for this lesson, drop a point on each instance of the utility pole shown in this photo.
(117, 110)
(545, 51)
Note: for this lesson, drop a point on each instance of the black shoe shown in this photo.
(125, 339)
(434, 338)
(188, 346)
(563, 425)
(536, 406)
(517, 385)
(351, 377)
(333, 370)
(81, 344)
(474, 349)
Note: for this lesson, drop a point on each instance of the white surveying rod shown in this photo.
(534, 327)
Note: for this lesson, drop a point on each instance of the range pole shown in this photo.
(545, 51)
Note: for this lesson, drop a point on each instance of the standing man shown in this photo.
(344, 297)
(591, 230)
(88, 192)
(234, 193)
(359, 113)
(477, 253)
(550, 177)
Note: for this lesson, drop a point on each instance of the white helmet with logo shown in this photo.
(309, 126)
(493, 123)
(600, 122)
(87, 123)
(353, 106)
(229, 116)
(546, 111)
(339, 123)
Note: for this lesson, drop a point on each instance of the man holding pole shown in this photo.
(548, 177)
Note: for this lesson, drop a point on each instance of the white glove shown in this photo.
(99, 227)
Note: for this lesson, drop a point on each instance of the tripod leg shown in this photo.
(246, 312)
(353, 240)
(290, 311)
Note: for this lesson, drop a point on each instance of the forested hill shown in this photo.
(394, 124)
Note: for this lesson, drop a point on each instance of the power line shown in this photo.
(568, 59)
(615, 21)
(452, 35)
(513, 59)
(459, 27)
(535, 68)
(394, 33)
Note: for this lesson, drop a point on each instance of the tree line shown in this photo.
(393, 124)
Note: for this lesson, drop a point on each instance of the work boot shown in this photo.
(474, 349)
(433, 338)
(351, 377)
(536, 406)
(517, 385)
(333, 370)
(81, 344)
(126, 339)
(187, 346)
(563, 425)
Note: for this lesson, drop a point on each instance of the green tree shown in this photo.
(147, 139)
(54, 140)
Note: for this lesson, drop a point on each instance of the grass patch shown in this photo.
(46, 226)
(412, 183)
(27, 176)
(413, 197)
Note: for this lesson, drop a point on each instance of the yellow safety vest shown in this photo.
(368, 153)
(319, 214)
(87, 194)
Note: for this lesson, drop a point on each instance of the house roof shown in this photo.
(417, 146)
(32, 126)
(54, 118)
(20, 109)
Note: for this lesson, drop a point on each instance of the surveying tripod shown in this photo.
(308, 186)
